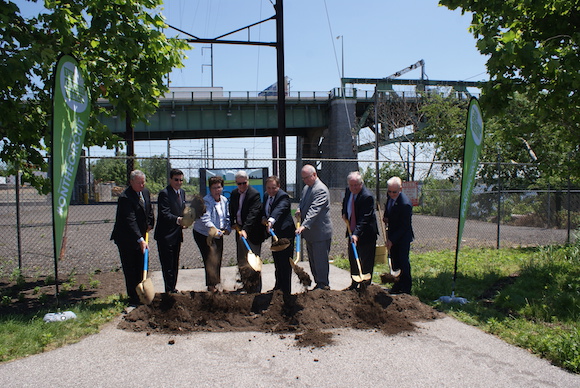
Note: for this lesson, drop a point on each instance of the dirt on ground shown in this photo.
(310, 316)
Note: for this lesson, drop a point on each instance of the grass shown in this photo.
(529, 297)
(24, 335)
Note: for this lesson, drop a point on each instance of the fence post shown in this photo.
(18, 226)
(498, 197)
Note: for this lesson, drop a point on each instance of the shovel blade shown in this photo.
(255, 262)
(145, 291)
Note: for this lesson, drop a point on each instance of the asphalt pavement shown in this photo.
(441, 353)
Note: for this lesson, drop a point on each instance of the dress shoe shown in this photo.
(353, 286)
(325, 288)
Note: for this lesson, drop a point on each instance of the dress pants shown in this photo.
(318, 252)
(212, 258)
(169, 257)
(132, 263)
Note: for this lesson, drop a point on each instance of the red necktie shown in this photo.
(352, 215)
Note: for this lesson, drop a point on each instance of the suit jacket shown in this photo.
(280, 212)
(315, 212)
(132, 219)
(399, 220)
(169, 207)
(364, 210)
(251, 214)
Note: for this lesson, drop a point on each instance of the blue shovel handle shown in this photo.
(146, 260)
(246, 243)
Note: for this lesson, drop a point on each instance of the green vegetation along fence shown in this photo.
(541, 216)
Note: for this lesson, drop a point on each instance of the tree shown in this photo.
(533, 51)
(110, 170)
(123, 54)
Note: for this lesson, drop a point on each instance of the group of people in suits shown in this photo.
(254, 219)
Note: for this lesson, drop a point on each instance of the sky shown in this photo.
(376, 38)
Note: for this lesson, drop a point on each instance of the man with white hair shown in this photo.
(397, 219)
(316, 227)
(246, 216)
(358, 209)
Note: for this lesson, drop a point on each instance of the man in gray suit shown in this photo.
(315, 226)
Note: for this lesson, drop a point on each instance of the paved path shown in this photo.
(442, 353)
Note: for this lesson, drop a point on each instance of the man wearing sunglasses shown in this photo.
(397, 219)
(168, 232)
(246, 217)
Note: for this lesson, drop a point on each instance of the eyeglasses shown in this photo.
(178, 180)
(241, 183)
(306, 177)
(392, 192)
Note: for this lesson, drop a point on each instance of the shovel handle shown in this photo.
(273, 234)
(246, 243)
(146, 257)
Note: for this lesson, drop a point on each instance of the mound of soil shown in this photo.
(311, 316)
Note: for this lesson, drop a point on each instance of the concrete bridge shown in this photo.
(325, 123)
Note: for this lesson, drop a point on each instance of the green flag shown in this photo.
(472, 149)
(71, 104)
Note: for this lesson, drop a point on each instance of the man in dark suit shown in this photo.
(278, 218)
(316, 227)
(397, 218)
(133, 220)
(168, 232)
(246, 216)
(358, 209)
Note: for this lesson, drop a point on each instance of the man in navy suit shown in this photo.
(246, 216)
(397, 218)
(133, 220)
(278, 218)
(358, 209)
(168, 232)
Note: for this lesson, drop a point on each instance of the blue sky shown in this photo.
(380, 37)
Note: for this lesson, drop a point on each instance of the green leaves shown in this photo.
(534, 54)
(120, 46)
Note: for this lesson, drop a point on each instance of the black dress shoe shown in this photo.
(353, 286)
(325, 288)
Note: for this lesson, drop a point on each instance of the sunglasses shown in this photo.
(241, 183)
(178, 180)
(392, 192)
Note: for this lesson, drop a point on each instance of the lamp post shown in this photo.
(341, 37)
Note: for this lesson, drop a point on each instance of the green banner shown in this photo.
(71, 104)
(472, 149)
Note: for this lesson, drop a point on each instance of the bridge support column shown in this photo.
(339, 143)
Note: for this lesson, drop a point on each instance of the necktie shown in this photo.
(352, 215)
(178, 197)
(390, 205)
(141, 199)
(270, 201)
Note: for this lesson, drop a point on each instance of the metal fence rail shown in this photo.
(527, 218)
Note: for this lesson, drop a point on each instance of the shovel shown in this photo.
(145, 289)
(360, 277)
(278, 244)
(394, 274)
(295, 261)
(253, 259)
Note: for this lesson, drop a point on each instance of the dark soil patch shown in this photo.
(310, 316)
(32, 294)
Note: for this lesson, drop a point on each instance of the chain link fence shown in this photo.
(526, 217)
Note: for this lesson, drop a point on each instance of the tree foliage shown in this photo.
(533, 56)
(123, 54)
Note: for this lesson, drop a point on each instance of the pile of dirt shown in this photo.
(310, 316)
